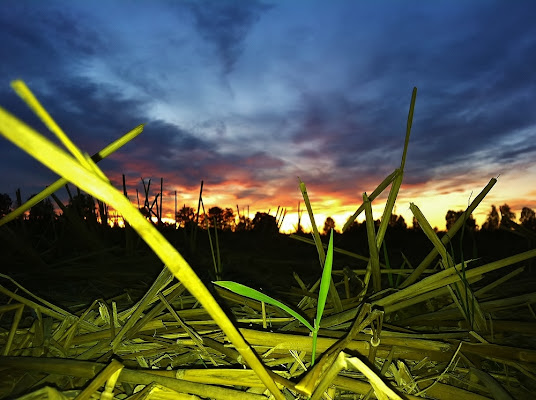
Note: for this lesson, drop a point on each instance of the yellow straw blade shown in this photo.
(26, 94)
(111, 148)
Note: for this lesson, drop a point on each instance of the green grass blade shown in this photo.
(325, 282)
(313, 351)
(246, 291)
(323, 294)
(319, 247)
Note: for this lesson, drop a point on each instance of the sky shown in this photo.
(250, 95)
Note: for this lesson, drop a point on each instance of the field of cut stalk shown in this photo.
(440, 329)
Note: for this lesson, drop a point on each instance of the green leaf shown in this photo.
(324, 283)
(256, 295)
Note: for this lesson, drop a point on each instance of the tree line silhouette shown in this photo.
(225, 219)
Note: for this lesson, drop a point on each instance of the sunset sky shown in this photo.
(250, 95)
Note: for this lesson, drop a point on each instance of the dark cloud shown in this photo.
(225, 24)
(39, 41)
(321, 92)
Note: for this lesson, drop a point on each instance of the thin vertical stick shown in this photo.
(199, 203)
(161, 195)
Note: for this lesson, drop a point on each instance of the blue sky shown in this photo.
(249, 95)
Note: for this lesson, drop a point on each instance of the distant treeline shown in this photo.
(86, 208)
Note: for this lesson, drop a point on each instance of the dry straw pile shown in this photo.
(176, 342)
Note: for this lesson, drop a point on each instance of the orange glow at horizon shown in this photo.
(434, 198)
(434, 207)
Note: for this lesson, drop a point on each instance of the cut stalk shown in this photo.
(446, 238)
(373, 267)
(91, 182)
(379, 190)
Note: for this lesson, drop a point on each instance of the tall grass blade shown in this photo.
(450, 275)
(325, 283)
(381, 187)
(326, 280)
(25, 94)
(91, 182)
(461, 292)
(373, 267)
(431, 235)
(408, 127)
(393, 193)
(316, 235)
(319, 247)
(105, 152)
(446, 238)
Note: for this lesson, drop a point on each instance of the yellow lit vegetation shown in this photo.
(176, 341)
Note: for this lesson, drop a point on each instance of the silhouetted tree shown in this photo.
(397, 222)
(355, 227)
(506, 215)
(185, 216)
(415, 224)
(228, 219)
(329, 224)
(264, 223)
(452, 217)
(84, 205)
(42, 211)
(5, 204)
(215, 217)
(528, 218)
(244, 223)
(492, 221)
(223, 218)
